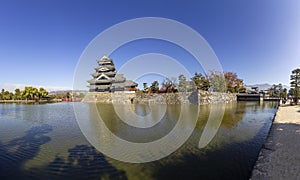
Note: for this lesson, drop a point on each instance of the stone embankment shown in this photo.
(197, 97)
(105, 97)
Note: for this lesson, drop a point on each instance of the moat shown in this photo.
(45, 142)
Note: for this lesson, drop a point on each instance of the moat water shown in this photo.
(45, 142)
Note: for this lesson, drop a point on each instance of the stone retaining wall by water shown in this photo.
(197, 97)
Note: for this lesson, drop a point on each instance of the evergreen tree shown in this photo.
(154, 86)
(197, 80)
(217, 81)
(295, 83)
(182, 83)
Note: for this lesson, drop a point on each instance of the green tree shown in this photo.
(196, 79)
(279, 90)
(283, 93)
(292, 92)
(17, 95)
(29, 93)
(204, 83)
(2, 94)
(154, 86)
(25, 93)
(6, 95)
(276, 90)
(42, 93)
(182, 83)
(295, 83)
(200, 82)
(34, 93)
(217, 81)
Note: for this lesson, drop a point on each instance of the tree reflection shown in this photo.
(84, 162)
(17, 151)
(233, 114)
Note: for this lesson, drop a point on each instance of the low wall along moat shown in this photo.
(196, 97)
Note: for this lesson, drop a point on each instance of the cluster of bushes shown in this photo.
(28, 93)
(215, 81)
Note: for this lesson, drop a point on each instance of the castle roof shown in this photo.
(105, 60)
(127, 83)
(106, 78)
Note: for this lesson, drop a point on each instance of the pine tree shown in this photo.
(295, 83)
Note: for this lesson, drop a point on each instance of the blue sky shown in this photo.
(41, 41)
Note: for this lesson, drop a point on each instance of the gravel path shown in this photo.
(280, 156)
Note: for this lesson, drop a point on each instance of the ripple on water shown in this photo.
(45, 142)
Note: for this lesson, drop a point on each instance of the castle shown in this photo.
(106, 79)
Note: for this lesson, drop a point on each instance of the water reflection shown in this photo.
(84, 162)
(19, 150)
(56, 148)
(104, 128)
(213, 124)
(116, 125)
(232, 152)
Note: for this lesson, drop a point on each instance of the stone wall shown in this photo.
(106, 97)
(200, 97)
(216, 97)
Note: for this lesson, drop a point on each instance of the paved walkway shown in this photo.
(280, 156)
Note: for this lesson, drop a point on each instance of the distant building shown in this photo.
(106, 79)
(252, 90)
